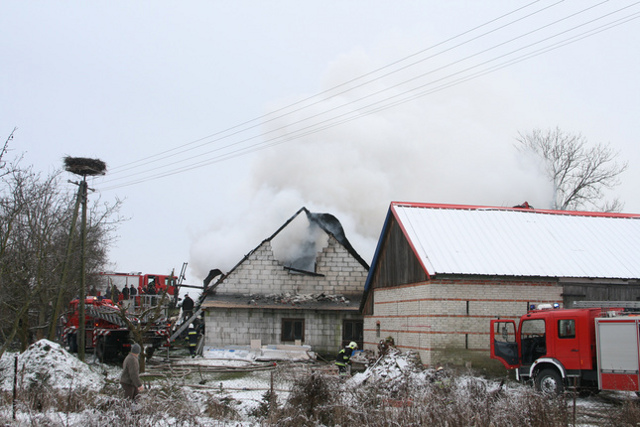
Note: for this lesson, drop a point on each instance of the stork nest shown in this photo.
(83, 166)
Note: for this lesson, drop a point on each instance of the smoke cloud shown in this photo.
(455, 146)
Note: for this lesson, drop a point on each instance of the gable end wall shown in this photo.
(261, 273)
(397, 263)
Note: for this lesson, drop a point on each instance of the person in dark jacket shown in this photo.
(125, 293)
(187, 307)
(192, 339)
(344, 357)
(130, 377)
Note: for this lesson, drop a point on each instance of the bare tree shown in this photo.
(3, 151)
(35, 216)
(580, 173)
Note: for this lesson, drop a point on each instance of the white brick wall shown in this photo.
(439, 315)
(237, 327)
(260, 273)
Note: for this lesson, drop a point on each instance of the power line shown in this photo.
(371, 108)
(243, 126)
(138, 172)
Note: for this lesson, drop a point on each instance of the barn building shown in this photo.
(304, 285)
(441, 272)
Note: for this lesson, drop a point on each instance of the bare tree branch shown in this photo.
(147, 319)
(579, 174)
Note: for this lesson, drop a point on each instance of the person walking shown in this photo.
(187, 307)
(344, 357)
(130, 377)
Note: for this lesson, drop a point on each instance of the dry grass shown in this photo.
(439, 398)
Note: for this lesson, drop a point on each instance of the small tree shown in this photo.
(148, 319)
(580, 174)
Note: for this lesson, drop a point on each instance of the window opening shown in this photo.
(292, 330)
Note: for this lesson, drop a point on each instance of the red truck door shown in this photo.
(504, 346)
(567, 344)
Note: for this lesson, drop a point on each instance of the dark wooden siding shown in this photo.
(600, 292)
(397, 264)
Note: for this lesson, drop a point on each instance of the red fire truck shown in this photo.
(139, 281)
(107, 334)
(587, 348)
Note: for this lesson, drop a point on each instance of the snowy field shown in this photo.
(55, 389)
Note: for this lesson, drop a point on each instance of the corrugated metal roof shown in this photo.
(521, 242)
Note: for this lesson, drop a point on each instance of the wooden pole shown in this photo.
(65, 268)
(83, 276)
(15, 386)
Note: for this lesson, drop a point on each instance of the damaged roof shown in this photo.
(332, 227)
(480, 240)
(290, 301)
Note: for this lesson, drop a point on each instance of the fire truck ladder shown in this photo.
(606, 304)
(185, 325)
(109, 314)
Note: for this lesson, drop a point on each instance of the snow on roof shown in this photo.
(454, 239)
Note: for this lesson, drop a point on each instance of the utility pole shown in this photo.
(83, 167)
(65, 266)
(83, 272)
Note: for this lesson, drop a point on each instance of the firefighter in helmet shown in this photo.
(192, 339)
(344, 357)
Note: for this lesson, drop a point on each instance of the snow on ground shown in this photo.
(264, 353)
(46, 362)
(203, 379)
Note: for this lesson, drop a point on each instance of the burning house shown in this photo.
(301, 286)
(441, 272)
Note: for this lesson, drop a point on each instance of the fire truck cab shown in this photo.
(554, 348)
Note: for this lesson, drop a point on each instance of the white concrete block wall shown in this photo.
(260, 273)
(448, 314)
(237, 327)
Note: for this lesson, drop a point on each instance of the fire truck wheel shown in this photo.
(549, 381)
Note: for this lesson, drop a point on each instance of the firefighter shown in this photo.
(192, 339)
(130, 378)
(344, 357)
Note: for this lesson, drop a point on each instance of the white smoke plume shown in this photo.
(455, 146)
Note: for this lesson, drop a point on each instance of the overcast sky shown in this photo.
(219, 120)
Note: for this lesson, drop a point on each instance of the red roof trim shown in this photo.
(503, 208)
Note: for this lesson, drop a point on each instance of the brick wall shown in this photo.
(452, 314)
(338, 274)
(237, 327)
(261, 273)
